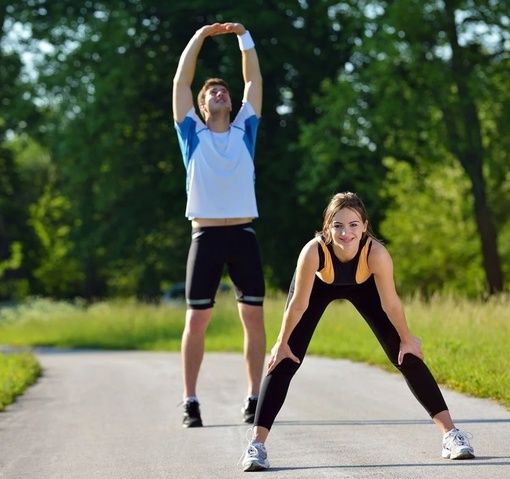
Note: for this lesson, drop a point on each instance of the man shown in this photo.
(221, 204)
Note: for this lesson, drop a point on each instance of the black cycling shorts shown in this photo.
(212, 248)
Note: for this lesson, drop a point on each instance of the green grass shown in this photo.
(465, 342)
(17, 372)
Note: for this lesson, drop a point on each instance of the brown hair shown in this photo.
(208, 84)
(338, 202)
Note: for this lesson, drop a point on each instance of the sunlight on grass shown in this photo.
(17, 371)
(465, 342)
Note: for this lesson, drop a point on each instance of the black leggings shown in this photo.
(365, 299)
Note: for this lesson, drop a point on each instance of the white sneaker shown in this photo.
(255, 457)
(456, 445)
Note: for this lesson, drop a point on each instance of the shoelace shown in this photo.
(458, 438)
(249, 438)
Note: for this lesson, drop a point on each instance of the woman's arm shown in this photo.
(307, 265)
(381, 265)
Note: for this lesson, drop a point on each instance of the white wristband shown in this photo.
(245, 41)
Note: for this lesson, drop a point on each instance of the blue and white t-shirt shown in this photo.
(220, 171)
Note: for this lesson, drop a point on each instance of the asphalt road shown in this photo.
(109, 415)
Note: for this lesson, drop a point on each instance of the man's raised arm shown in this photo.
(251, 70)
(182, 96)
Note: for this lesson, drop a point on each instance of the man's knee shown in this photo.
(251, 316)
(197, 320)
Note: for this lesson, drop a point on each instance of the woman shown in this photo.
(346, 261)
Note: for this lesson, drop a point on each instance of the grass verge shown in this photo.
(465, 342)
(17, 372)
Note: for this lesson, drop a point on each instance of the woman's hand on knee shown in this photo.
(412, 346)
(278, 354)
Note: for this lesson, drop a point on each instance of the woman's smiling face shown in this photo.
(347, 229)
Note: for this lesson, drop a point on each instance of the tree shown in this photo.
(420, 85)
(435, 241)
(390, 89)
(16, 189)
(104, 88)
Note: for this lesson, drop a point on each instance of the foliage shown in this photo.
(436, 231)
(418, 88)
(336, 159)
(17, 240)
(17, 372)
(88, 145)
(104, 87)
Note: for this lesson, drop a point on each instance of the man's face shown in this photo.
(216, 99)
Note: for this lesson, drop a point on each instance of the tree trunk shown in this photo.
(464, 130)
(488, 236)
